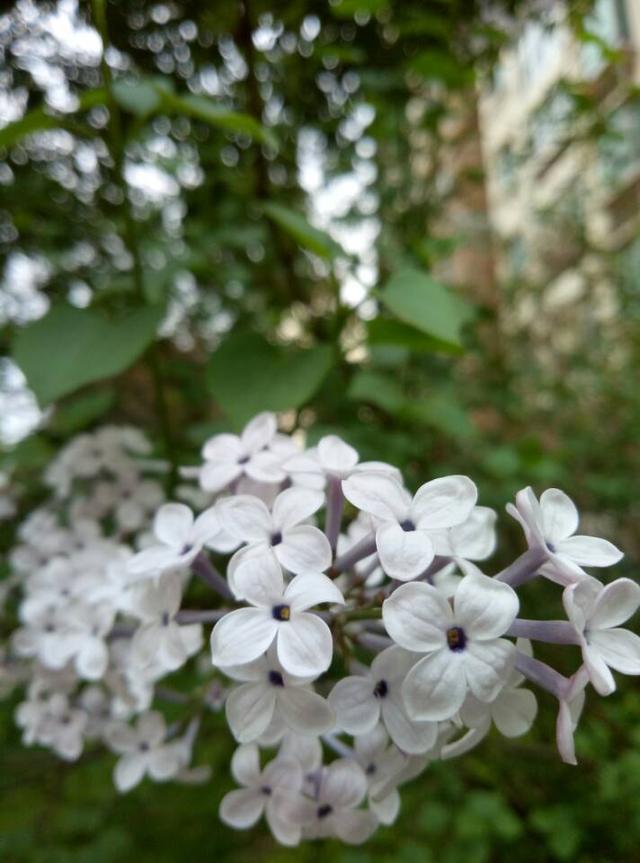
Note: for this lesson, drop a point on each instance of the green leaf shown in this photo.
(418, 300)
(387, 331)
(216, 115)
(40, 119)
(34, 452)
(139, 96)
(81, 410)
(71, 347)
(377, 389)
(299, 229)
(442, 411)
(247, 375)
(349, 8)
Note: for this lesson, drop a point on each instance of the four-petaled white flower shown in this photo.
(143, 750)
(299, 547)
(228, 457)
(341, 789)
(331, 457)
(160, 639)
(463, 647)
(361, 701)
(268, 691)
(303, 641)
(550, 525)
(383, 765)
(596, 612)
(180, 539)
(274, 791)
(404, 537)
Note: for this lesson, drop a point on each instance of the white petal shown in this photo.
(92, 660)
(619, 648)
(356, 707)
(408, 735)
(354, 826)
(392, 664)
(487, 666)
(559, 515)
(165, 762)
(206, 526)
(242, 636)
(265, 467)
(483, 607)
(403, 554)
(599, 674)
(216, 475)
(245, 516)
(416, 616)
(151, 728)
(379, 494)
(305, 711)
(305, 591)
(259, 431)
(475, 539)
(245, 765)
(304, 548)
(128, 772)
(387, 809)
(336, 456)
(615, 604)
(249, 709)
(222, 447)
(153, 560)
(590, 551)
(527, 511)
(344, 784)
(435, 688)
(295, 505)
(514, 712)
(305, 645)
(242, 808)
(172, 524)
(257, 550)
(444, 502)
(258, 579)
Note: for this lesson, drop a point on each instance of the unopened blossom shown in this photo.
(550, 525)
(180, 539)
(143, 750)
(360, 701)
(160, 638)
(228, 457)
(512, 711)
(273, 792)
(462, 647)
(278, 613)
(299, 547)
(404, 536)
(334, 812)
(596, 612)
(267, 690)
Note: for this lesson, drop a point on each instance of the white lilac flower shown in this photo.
(273, 792)
(160, 638)
(143, 751)
(596, 612)
(281, 614)
(361, 701)
(180, 539)
(331, 457)
(550, 525)
(382, 763)
(462, 645)
(52, 722)
(512, 711)
(299, 547)
(334, 812)
(228, 457)
(404, 537)
(267, 690)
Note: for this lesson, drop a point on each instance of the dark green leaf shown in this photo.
(220, 117)
(376, 389)
(299, 229)
(139, 96)
(80, 411)
(418, 300)
(385, 331)
(247, 375)
(71, 347)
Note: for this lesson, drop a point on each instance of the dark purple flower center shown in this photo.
(266, 790)
(276, 538)
(407, 525)
(275, 678)
(281, 612)
(243, 459)
(456, 638)
(380, 689)
(324, 810)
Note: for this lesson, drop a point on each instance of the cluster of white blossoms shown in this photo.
(354, 639)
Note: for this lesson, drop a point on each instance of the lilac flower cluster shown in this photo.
(355, 639)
